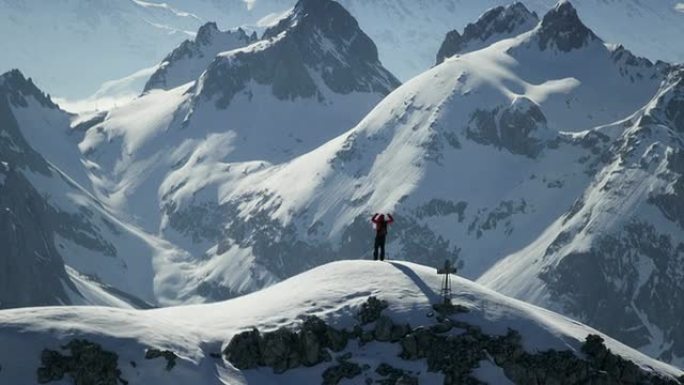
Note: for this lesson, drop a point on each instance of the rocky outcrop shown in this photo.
(371, 310)
(285, 349)
(454, 354)
(345, 369)
(519, 128)
(494, 25)
(562, 28)
(87, 364)
(168, 355)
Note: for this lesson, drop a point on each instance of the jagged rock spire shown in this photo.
(561, 27)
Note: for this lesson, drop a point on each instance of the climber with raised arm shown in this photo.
(380, 223)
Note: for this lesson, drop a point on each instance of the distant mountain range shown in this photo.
(121, 37)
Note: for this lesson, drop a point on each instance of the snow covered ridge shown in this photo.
(179, 346)
(494, 25)
(187, 62)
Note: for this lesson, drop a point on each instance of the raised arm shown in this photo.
(375, 218)
(390, 220)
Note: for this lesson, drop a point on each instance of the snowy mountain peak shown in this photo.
(316, 50)
(496, 24)
(187, 62)
(206, 32)
(16, 87)
(561, 27)
(327, 15)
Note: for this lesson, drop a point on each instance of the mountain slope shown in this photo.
(57, 233)
(479, 158)
(32, 271)
(516, 110)
(312, 76)
(624, 232)
(338, 294)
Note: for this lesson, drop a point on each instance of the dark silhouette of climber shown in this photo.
(380, 224)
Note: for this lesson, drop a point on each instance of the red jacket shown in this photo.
(381, 224)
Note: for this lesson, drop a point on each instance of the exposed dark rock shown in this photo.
(244, 350)
(519, 128)
(563, 29)
(371, 310)
(383, 329)
(456, 355)
(500, 216)
(334, 374)
(439, 207)
(285, 349)
(168, 355)
(88, 364)
(452, 44)
(394, 376)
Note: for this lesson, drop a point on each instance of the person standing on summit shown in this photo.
(380, 224)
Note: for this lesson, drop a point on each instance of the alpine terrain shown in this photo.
(344, 323)
(157, 165)
(61, 245)
(532, 150)
(479, 157)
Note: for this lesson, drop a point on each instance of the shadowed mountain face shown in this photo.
(634, 265)
(562, 28)
(494, 25)
(59, 244)
(31, 270)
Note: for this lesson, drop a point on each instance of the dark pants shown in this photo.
(379, 244)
